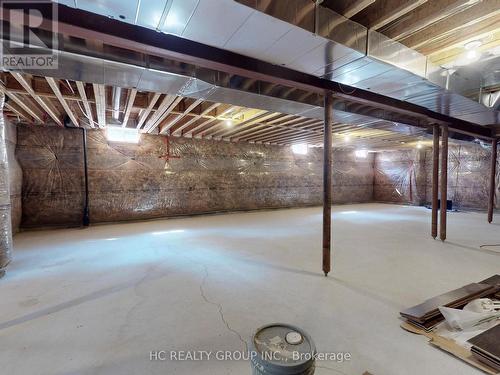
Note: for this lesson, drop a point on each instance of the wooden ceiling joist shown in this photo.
(128, 108)
(180, 129)
(100, 103)
(180, 116)
(253, 119)
(390, 10)
(166, 128)
(195, 131)
(166, 106)
(29, 109)
(55, 88)
(86, 105)
(47, 107)
(355, 7)
(145, 112)
(18, 111)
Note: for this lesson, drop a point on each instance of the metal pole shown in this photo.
(86, 216)
(493, 172)
(327, 182)
(444, 182)
(435, 177)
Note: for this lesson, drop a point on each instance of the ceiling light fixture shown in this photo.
(229, 123)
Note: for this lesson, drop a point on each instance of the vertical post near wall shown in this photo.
(327, 182)
(5, 207)
(444, 182)
(86, 215)
(435, 177)
(493, 173)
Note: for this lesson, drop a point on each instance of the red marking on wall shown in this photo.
(167, 156)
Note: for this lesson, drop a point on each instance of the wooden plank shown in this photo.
(55, 87)
(100, 103)
(86, 105)
(145, 113)
(128, 108)
(47, 107)
(156, 117)
(181, 128)
(31, 111)
(166, 128)
(355, 7)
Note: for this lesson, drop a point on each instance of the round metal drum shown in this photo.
(282, 349)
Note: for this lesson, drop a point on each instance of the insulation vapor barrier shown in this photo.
(468, 176)
(165, 176)
(5, 216)
(406, 176)
(400, 177)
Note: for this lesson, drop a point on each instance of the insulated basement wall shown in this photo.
(468, 176)
(406, 176)
(172, 176)
(400, 177)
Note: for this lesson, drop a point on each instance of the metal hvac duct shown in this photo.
(298, 35)
(117, 94)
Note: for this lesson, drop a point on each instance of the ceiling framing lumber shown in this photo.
(256, 117)
(88, 110)
(204, 119)
(355, 7)
(55, 87)
(130, 102)
(145, 113)
(180, 129)
(387, 11)
(199, 128)
(22, 104)
(18, 111)
(100, 103)
(166, 128)
(47, 107)
(428, 14)
(257, 123)
(81, 24)
(163, 110)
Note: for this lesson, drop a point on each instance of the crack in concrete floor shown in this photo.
(219, 307)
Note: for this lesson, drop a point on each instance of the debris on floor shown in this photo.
(464, 322)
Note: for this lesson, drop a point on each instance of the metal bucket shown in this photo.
(282, 349)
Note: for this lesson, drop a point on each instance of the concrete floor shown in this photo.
(99, 300)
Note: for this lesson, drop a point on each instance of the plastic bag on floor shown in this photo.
(466, 320)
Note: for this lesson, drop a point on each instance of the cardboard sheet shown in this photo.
(451, 346)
